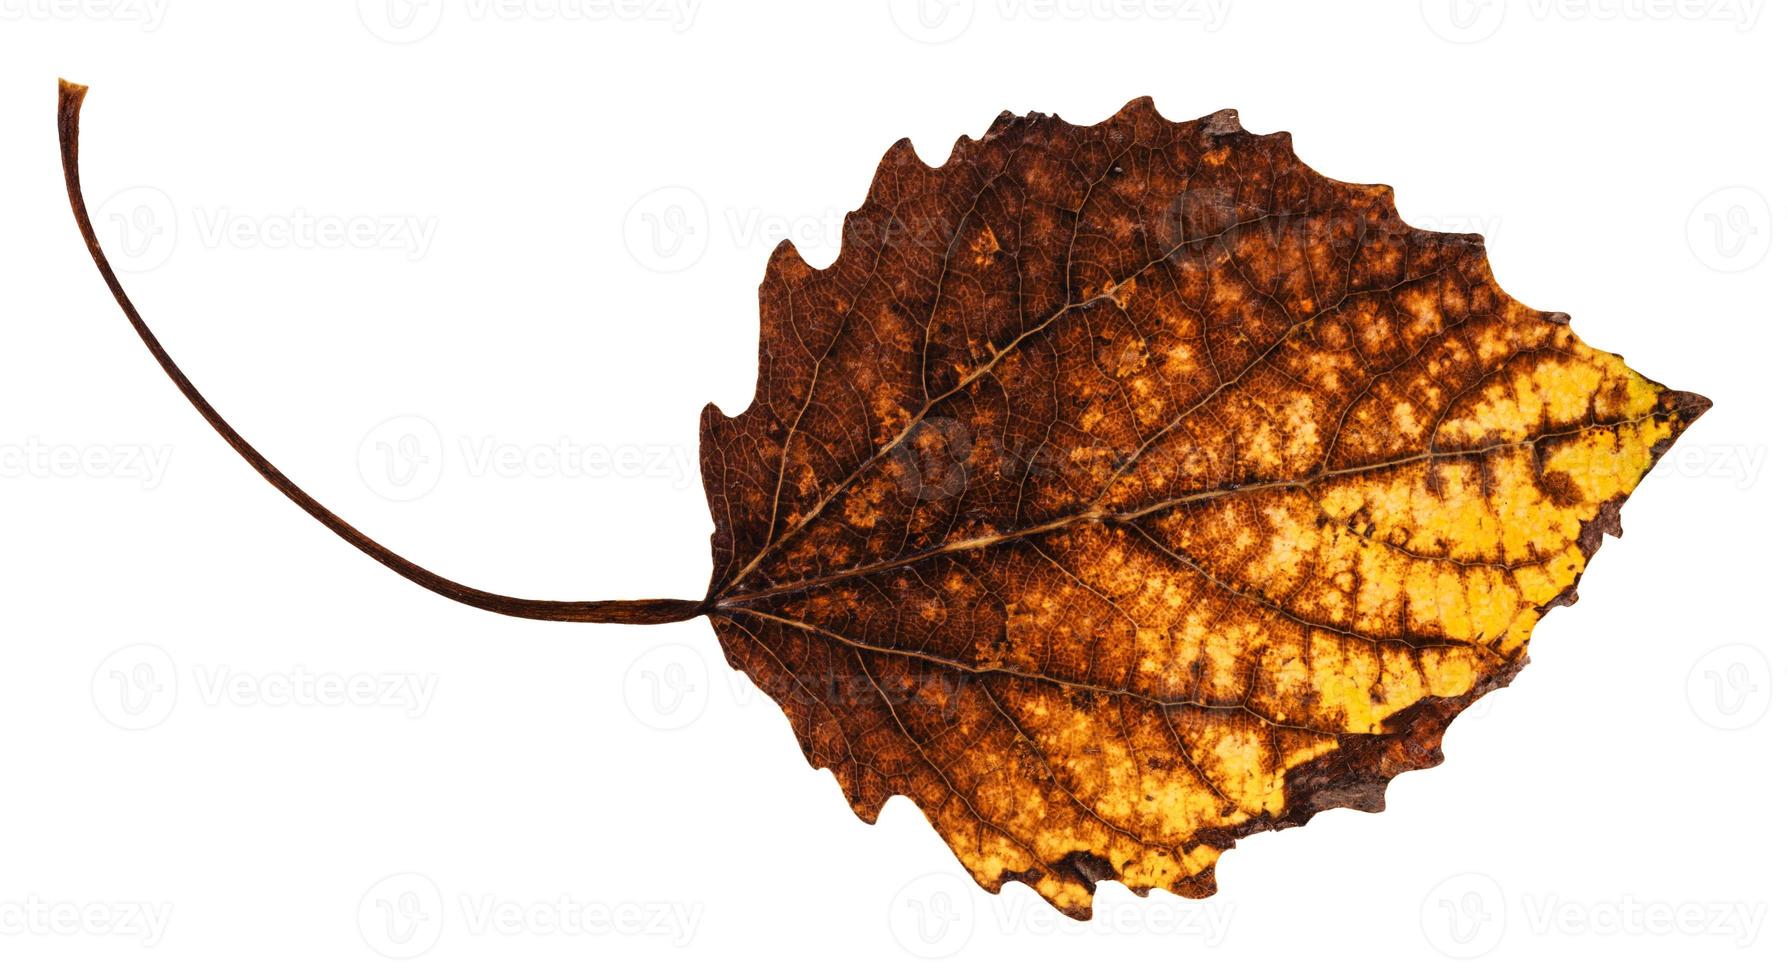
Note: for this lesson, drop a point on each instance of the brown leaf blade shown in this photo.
(1126, 489)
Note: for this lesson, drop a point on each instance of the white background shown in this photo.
(222, 731)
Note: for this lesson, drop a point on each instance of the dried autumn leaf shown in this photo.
(1174, 492)
(1123, 490)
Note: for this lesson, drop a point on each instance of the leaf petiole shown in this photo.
(643, 611)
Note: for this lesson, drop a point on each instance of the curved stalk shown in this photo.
(68, 119)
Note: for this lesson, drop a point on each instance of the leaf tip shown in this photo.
(1686, 405)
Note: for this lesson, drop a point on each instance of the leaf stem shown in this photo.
(68, 124)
